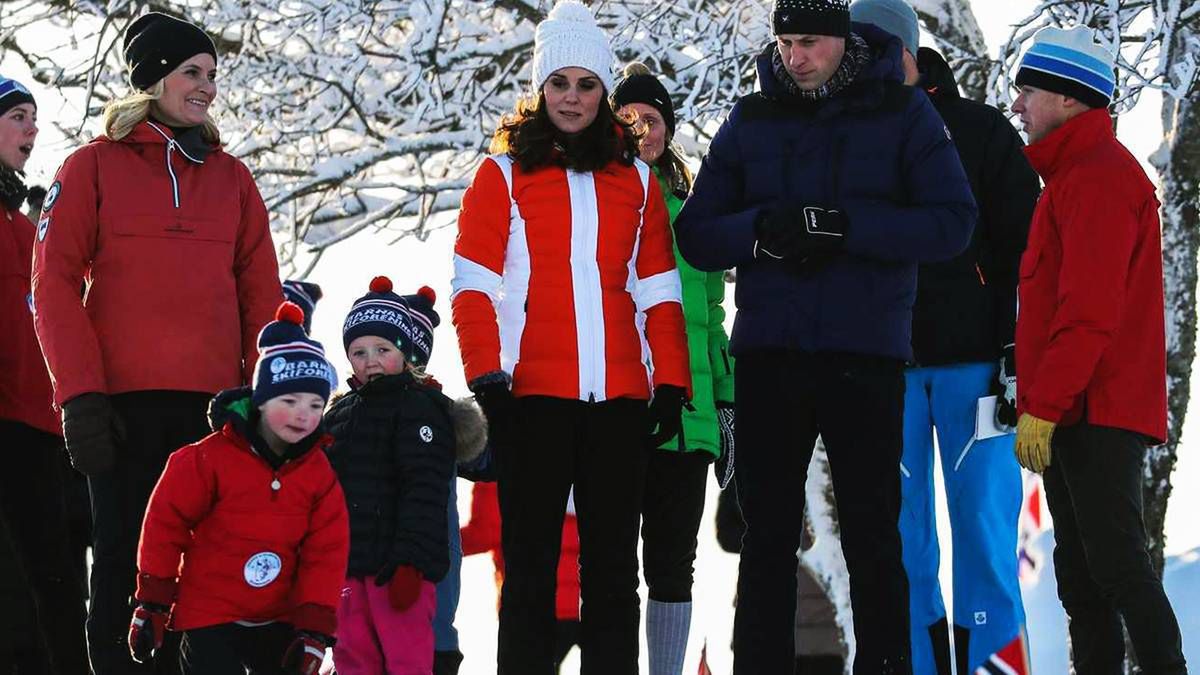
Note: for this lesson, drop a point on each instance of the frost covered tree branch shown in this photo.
(371, 117)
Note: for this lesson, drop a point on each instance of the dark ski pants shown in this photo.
(600, 448)
(1094, 491)
(233, 649)
(784, 400)
(33, 507)
(157, 423)
(671, 511)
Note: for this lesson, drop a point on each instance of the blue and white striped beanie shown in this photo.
(305, 294)
(1070, 62)
(406, 321)
(13, 93)
(289, 362)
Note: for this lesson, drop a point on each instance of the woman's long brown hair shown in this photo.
(529, 137)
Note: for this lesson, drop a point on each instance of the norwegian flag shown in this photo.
(1035, 519)
(1012, 660)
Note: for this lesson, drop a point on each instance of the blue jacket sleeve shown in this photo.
(935, 222)
(714, 230)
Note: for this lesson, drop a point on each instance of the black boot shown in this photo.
(446, 663)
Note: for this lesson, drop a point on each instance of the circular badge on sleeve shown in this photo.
(261, 569)
(51, 196)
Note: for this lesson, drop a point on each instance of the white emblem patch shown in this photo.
(278, 364)
(261, 569)
(426, 434)
(51, 196)
(43, 227)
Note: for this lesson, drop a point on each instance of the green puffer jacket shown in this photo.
(708, 348)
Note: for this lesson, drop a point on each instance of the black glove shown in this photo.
(666, 413)
(1005, 389)
(146, 630)
(305, 654)
(797, 234)
(493, 393)
(92, 431)
(723, 467)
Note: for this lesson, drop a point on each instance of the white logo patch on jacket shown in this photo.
(261, 569)
(426, 434)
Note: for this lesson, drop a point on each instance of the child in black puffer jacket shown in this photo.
(394, 454)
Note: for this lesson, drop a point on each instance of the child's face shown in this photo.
(291, 417)
(372, 356)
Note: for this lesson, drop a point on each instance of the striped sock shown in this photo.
(667, 625)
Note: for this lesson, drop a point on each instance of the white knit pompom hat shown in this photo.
(569, 37)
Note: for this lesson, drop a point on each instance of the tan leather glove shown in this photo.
(1033, 442)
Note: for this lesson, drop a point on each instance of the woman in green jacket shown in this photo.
(677, 472)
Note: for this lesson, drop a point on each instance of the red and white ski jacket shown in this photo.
(567, 281)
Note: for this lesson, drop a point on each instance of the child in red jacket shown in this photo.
(245, 539)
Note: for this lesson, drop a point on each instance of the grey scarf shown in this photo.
(857, 55)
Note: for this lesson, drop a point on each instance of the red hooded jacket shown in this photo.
(1090, 331)
(482, 534)
(179, 264)
(24, 381)
(228, 537)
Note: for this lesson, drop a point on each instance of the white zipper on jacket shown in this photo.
(172, 144)
(171, 171)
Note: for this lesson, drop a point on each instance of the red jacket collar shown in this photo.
(1061, 148)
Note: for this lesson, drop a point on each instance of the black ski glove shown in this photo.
(666, 413)
(723, 467)
(494, 394)
(799, 233)
(1005, 389)
(92, 430)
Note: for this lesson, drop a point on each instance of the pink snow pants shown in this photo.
(374, 639)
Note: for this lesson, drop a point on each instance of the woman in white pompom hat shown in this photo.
(565, 291)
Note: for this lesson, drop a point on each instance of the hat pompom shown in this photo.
(427, 293)
(290, 312)
(571, 10)
(381, 285)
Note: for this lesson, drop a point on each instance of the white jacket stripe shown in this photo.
(585, 285)
(511, 310)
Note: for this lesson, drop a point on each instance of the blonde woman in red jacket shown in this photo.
(31, 486)
(567, 306)
(170, 237)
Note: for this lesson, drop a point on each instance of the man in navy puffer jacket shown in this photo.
(825, 190)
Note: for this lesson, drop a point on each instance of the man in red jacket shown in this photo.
(1091, 354)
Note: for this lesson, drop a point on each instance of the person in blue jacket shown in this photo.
(963, 324)
(825, 189)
